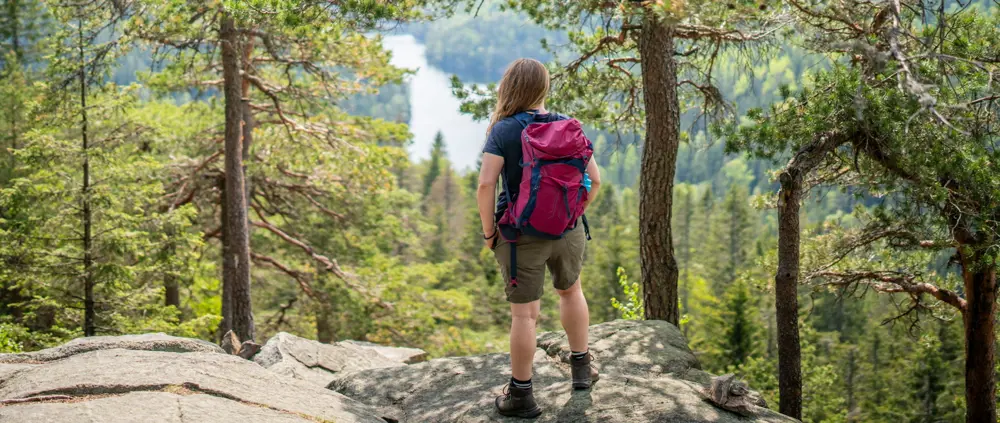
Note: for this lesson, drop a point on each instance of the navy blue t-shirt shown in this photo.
(505, 140)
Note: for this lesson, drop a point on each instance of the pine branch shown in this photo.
(280, 315)
(603, 43)
(178, 200)
(328, 264)
(891, 282)
(299, 277)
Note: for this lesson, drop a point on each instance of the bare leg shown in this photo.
(575, 316)
(522, 338)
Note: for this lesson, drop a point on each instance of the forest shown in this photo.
(807, 189)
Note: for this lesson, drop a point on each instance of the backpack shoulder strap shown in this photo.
(525, 118)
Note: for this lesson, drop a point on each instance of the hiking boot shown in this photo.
(584, 373)
(517, 402)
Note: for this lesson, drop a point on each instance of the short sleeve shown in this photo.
(494, 144)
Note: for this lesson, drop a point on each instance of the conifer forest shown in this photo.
(809, 189)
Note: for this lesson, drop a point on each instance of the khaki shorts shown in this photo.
(563, 257)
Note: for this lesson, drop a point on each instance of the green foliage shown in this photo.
(631, 309)
(391, 103)
(730, 237)
(478, 48)
(24, 26)
(434, 167)
(11, 338)
(614, 228)
(740, 333)
(405, 262)
(129, 231)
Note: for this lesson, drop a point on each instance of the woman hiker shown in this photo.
(531, 231)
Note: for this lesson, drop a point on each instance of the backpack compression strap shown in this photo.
(524, 118)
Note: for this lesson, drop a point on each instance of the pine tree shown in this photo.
(741, 332)
(633, 59)
(933, 376)
(736, 329)
(730, 237)
(24, 24)
(684, 216)
(237, 310)
(23, 29)
(604, 254)
(88, 189)
(939, 203)
(313, 156)
(434, 167)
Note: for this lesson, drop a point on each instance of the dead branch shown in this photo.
(280, 315)
(299, 277)
(177, 201)
(603, 43)
(328, 264)
(701, 32)
(891, 282)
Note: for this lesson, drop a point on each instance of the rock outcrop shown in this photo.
(648, 374)
(119, 385)
(732, 394)
(144, 342)
(400, 354)
(316, 362)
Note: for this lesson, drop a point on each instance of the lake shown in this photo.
(433, 108)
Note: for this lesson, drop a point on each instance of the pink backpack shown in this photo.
(552, 192)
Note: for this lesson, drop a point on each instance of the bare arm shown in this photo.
(595, 181)
(489, 173)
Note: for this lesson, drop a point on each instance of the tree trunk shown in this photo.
(786, 281)
(171, 287)
(227, 298)
(659, 156)
(786, 295)
(324, 332)
(13, 8)
(980, 340)
(15, 37)
(248, 125)
(89, 314)
(236, 263)
(172, 291)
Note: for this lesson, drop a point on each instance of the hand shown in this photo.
(491, 241)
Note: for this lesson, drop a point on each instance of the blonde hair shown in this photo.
(524, 85)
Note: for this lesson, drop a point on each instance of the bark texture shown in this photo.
(980, 342)
(659, 163)
(786, 281)
(786, 295)
(236, 262)
(226, 324)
